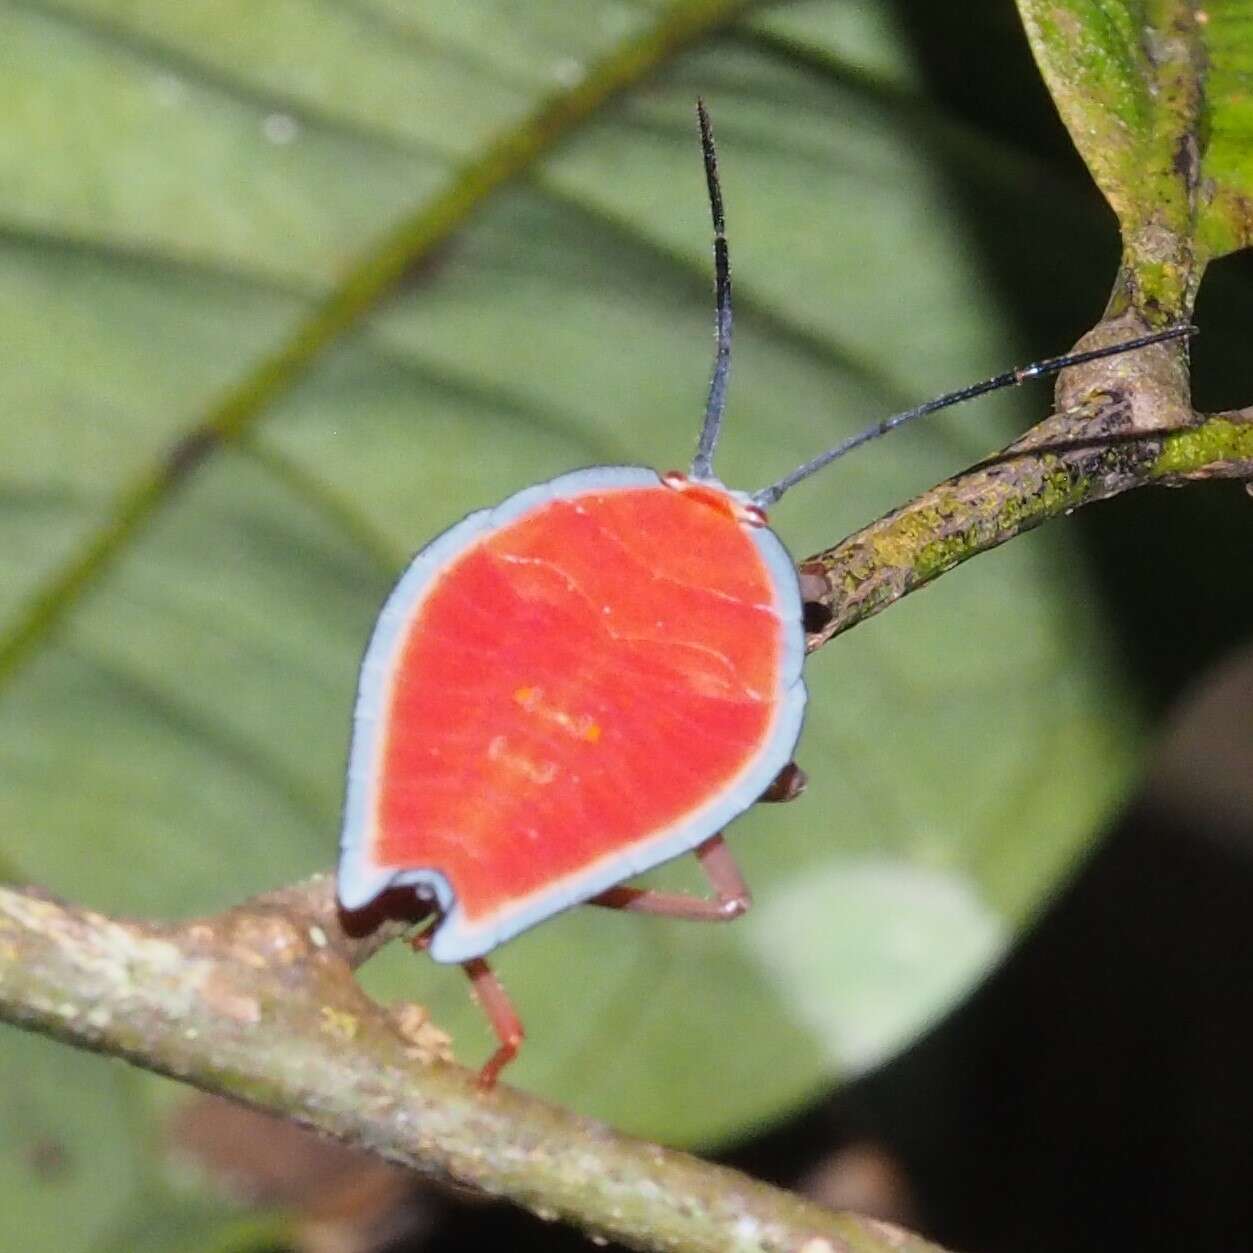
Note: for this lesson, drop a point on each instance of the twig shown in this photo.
(260, 1004)
(1122, 424)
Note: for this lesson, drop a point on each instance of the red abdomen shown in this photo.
(569, 696)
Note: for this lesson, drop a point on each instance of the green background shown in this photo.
(180, 186)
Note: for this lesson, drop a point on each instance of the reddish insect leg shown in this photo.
(500, 1012)
(732, 897)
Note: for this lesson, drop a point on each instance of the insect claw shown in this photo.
(501, 1058)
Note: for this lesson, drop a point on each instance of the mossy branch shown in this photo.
(1122, 423)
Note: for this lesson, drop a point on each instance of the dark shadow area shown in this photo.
(1095, 1094)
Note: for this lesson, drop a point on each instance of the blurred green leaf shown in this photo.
(179, 189)
(79, 1157)
(57, 1189)
(1158, 97)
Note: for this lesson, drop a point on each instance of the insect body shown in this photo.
(586, 681)
(567, 690)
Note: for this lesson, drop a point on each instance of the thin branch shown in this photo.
(260, 1004)
(1123, 424)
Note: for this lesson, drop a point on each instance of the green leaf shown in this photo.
(57, 1109)
(81, 1170)
(1157, 97)
(302, 207)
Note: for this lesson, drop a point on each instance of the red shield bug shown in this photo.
(590, 679)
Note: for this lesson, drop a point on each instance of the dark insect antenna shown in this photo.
(702, 463)
(1011, 378)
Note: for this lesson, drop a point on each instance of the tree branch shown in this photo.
(259, 1004)
(1122, 423)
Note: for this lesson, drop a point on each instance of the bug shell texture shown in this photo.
(564, 691)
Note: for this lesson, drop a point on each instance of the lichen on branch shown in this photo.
(1122, 423)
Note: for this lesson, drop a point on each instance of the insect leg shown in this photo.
(732, 897)
(787, 785)
(495, 1002)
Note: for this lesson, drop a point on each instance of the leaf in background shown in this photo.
(181, 185)
(1158, 98)
(58, 1190)
(76, 1162)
